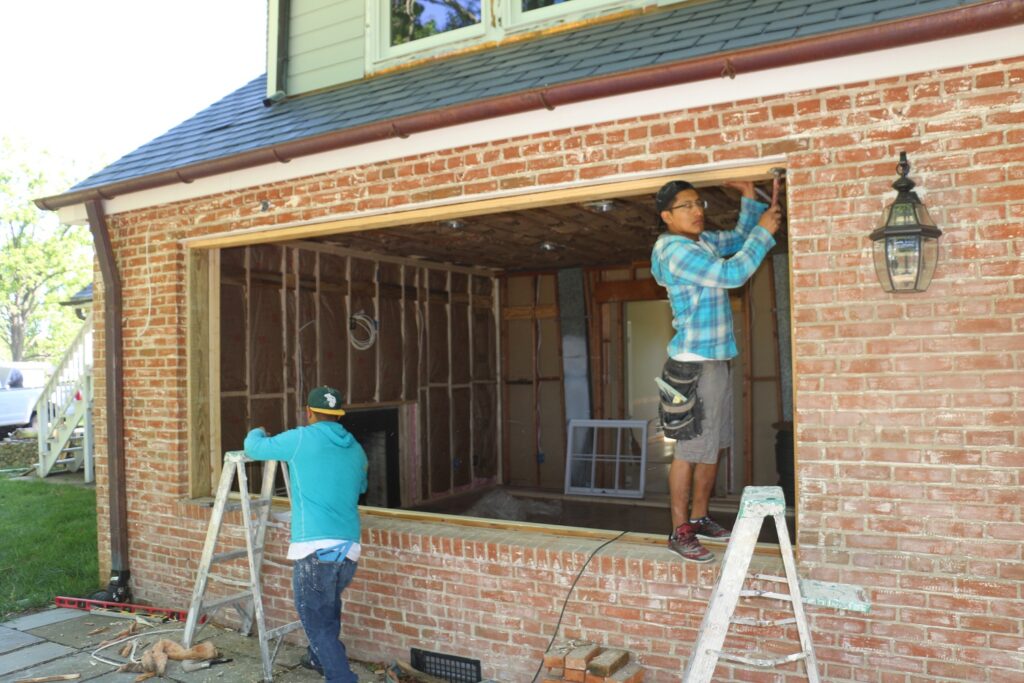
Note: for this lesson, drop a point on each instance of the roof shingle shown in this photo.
(240, 123)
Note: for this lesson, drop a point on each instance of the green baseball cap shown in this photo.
(325, 400)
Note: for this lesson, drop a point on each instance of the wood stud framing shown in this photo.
(415, 290)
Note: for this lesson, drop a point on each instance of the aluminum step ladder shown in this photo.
(255, 520)
(757, 503)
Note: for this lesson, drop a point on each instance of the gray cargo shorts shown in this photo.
(715, 392)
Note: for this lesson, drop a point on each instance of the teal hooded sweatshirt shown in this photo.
(327, 471)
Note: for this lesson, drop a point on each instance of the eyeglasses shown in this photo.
(690, 206)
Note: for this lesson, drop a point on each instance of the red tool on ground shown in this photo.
(88, 605)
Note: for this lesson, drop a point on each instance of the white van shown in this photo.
(20, 387)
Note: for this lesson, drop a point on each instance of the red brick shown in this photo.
(580, 656)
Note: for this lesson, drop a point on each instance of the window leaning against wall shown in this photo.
(403, 30)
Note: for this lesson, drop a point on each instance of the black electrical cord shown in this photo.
(568, 595)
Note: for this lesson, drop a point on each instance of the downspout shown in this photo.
(277, 89)
(117, 589)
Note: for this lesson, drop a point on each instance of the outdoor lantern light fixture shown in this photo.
(907, 243)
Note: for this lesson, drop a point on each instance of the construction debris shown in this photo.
(49, 679)
(400, 672)
(154, 660)
(584, 662)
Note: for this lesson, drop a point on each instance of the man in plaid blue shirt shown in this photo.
(698, 268)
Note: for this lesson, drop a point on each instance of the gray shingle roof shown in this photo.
(240, 123)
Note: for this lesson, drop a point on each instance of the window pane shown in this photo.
(415, 19)
(540, 4)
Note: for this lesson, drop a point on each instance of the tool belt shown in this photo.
(679, 409)
(335, 554)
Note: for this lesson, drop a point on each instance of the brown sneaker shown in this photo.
(684, 541)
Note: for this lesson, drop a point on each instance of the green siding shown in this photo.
(327, 44)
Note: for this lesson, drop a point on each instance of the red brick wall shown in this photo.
(908, 408)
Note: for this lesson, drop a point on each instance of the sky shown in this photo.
(90, 80)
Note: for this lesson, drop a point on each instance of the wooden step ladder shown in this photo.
(757, 503)
(249, 602)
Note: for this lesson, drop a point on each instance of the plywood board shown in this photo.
(522, 443)
(519, 351)
(233, 347)
(461, 351)
(234, 422)
(412, 332)
(266, 340)
(485, 430)
(552, 436)
(390, 349)
(549, 348)
(462, 436)
(440, 441)
(362, 362)
(483, 352)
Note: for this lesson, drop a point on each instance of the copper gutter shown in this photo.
(114, 365)
(962, 21)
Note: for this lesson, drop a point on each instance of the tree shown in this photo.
(412, 19)
(41, 263)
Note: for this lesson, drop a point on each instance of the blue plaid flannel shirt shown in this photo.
(698, 274)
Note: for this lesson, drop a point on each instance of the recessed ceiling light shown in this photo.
(601, 205)
(454, 224)
(549, 246)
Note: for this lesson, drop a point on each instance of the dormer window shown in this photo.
(416, 25)
(406, 30)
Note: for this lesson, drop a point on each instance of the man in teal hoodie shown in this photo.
(327, 472)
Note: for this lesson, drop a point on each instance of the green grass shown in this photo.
(47, 543)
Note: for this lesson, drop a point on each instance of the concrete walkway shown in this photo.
(61, 641)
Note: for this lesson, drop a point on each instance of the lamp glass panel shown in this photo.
(929, 259)
(881, 267)
(903, 256)
(923, 217)
(902, 213)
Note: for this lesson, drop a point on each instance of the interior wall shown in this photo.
(290, 322)
(535, 405)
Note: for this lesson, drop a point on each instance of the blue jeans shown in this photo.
(318, 586)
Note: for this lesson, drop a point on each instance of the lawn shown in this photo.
(47, 543)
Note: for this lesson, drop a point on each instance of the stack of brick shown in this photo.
(590, 663)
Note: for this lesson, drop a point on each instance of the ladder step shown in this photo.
(745, 621)
(765, 594)
(826, 594)
(226, 600)
(760, 661)
(282, 630)
(219, 578)
(233, 555)
(258, 503)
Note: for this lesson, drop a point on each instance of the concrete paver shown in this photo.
(32, 655)
(50, 616)
(82, 633)
(60, 641)
(12, 639)
(77, 663)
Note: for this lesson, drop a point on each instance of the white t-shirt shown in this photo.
(297, 551)
(687, 357)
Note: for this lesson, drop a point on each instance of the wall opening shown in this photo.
(468, 387)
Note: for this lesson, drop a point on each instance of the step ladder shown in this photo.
(757, 503)
(255, 520)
